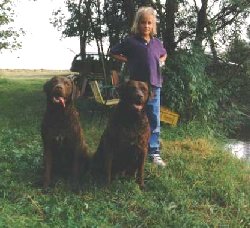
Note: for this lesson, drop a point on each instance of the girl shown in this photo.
(144, 55)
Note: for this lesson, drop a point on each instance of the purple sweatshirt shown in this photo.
(143, 58)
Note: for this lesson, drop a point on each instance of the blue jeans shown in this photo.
(153, 113)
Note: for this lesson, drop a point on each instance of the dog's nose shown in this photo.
(139, 95)
(59, 87)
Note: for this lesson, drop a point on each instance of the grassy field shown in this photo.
(202, 185)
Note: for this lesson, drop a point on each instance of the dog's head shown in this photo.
(59, 90)
(135, 94)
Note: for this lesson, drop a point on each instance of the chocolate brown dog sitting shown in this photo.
(65, 149)
(124, 143)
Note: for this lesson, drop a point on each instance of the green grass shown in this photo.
(202, 185)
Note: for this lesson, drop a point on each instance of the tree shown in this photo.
(116, 19)
(8, 35)
(238, 53)
(169, 25)
(77, 24)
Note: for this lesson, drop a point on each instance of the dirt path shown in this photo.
(29, 74)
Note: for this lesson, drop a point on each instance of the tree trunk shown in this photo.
(212, 44)
(168, 35)
(145, 3)
(82, 34)
(83, 47)
(201, 23)
(129, 9)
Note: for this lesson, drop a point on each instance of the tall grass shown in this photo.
(202, 185)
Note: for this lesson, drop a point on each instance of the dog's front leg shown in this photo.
(140, 172)
(108, 168)
(47, 168)
(75, 172)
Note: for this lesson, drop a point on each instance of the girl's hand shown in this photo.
(161, 63)
(163, 58)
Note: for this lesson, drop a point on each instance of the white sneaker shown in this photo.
(156, 159)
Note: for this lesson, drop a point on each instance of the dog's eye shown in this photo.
(66, 83)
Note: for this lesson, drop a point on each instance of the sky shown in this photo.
(42, 46)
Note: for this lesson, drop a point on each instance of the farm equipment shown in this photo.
(93, 67)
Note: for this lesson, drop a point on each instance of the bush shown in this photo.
(195, 89)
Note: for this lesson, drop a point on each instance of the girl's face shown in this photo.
(146, 25)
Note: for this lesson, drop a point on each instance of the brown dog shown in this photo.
(64, 145)
(124, 143)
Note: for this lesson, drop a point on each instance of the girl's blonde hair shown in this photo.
(139, 14)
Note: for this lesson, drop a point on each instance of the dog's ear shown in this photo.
(47, 86)
(75, 86)
(122, 90)
(75, 91)
(150, 92)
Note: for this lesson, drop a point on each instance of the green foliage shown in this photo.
(8, 35)
(232, 82)
(214, 92)
(187, 89)
(201, 186)
(238, 53)
(116, 21)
